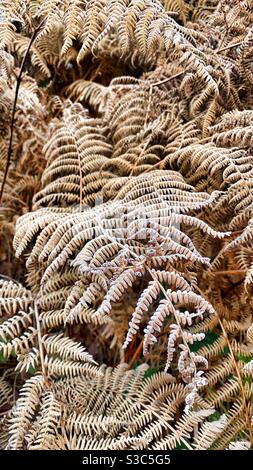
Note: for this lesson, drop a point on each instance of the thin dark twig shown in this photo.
(19, 79)
(168, 79)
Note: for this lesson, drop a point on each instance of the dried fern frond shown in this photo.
(75, 155)
(129, 197)
(120, 410)
(20, 338)
(11, 12)
(124, 251)
(28, 135)
(13, 298)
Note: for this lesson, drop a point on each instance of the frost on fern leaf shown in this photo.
(143, 234)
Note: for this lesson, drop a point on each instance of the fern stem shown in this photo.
(230, 46)
(42, 359)
(232, 272)
(19, 79)
(179, 74)
(136, 355)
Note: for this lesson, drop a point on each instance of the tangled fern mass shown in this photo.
(126, 224)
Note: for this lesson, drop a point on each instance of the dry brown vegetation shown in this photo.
(126, 224)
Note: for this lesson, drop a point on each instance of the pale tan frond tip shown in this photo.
(126, 174)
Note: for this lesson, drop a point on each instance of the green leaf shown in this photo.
(243, 358)
(210, 338)
(151, 371)
(214, 417)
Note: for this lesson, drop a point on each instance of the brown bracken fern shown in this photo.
(126, 311)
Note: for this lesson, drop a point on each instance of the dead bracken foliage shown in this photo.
(126, 224)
